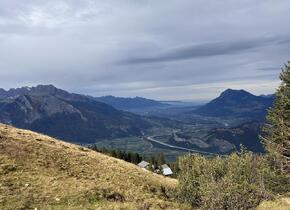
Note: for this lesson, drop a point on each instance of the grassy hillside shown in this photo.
(37, 171)
(279, 204)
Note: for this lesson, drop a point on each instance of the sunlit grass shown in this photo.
(37, 171)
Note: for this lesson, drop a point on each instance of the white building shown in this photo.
(143, 164)
(166, 170)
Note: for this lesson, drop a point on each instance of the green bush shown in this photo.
(239, 181)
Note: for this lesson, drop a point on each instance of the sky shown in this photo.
(159, 49)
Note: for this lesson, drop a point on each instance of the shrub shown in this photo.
(236, 182)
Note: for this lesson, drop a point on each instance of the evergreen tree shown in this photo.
(135, 158)
(113, 153)
(276, 139)
(160, 159)
(139, 158)
(120, 155)
(129, 157)
(153, 162)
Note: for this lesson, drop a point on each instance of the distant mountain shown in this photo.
(40, 90)
(268, 96)
(129, 104)
(65, 115)
(237, 103)
(2, 93)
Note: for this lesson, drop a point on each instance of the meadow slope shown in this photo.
(37, 171)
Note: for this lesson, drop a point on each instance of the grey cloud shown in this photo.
(24, 30)
(210, 49)
(78, 45)
(269, 69)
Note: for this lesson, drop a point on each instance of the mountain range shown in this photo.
(131, 104)
(86, 119)
(65, 115)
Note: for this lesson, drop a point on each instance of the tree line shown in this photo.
(131, 157)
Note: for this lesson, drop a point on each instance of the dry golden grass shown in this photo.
(37, 171)
(277, 204)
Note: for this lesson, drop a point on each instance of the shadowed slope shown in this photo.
(73, 117)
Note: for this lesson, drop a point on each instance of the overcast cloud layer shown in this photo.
(190, 49)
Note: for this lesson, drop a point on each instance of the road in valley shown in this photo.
(151, 138)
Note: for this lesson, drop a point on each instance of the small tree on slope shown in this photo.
(276, 137)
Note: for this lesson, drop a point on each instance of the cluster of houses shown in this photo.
(165, 169)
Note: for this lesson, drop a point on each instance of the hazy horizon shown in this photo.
(161, 100)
